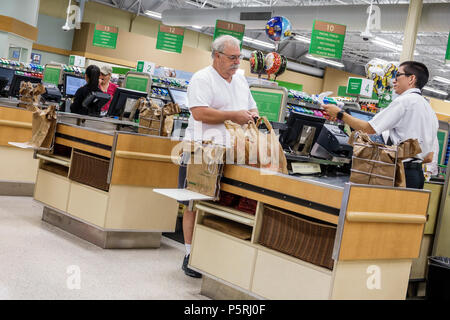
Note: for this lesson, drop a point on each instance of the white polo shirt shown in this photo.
(208, 88)
(409, 116)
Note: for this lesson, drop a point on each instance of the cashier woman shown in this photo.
(409, 116)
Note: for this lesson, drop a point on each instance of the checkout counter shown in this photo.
(352, 241)
(310, 237)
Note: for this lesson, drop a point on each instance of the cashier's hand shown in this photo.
(242, 117)
(331, 110)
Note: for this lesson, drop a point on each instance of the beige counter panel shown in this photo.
(145, 210)
(433, 208)
(280, 278)
(371, 280)
(223, 256)
(17, 164)
(367, 240)
(52, 189)
(87, 203)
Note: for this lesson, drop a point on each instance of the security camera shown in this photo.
(66, 27)
(366, 35)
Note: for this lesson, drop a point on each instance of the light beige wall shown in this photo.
(196, 49)
(334, 78)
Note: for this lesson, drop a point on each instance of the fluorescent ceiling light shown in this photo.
(193, 3)
(331, 62)
(387, 44)
(440, 79)
(302, 39)
(435, 90)
(197, 27)
(153, 14)
(259, 43)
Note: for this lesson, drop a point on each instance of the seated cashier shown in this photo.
(92, 78)
(106, 85)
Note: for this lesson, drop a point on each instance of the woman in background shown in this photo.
(106, 85)
(92, 85)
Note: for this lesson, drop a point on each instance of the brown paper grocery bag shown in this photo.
(43, 127)
(205, 177)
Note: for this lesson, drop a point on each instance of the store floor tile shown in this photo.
(40, 261)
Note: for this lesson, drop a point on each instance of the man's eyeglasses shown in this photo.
(232, 58)
(402, 74)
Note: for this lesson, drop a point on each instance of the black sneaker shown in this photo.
(189, 272)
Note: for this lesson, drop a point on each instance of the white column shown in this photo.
(411, 27)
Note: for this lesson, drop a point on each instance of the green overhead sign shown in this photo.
(170, 39)
(360, 87)
(105, 36)
(327, 39)
(268, 103)
(290, 85)
(229, 28)
(447, 54)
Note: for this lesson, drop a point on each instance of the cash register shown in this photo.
(308, 138)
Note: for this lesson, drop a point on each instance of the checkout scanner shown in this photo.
(332, 144)
(308, 136)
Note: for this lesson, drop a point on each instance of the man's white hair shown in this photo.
(219, 44)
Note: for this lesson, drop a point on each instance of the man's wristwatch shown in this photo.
(340, 115)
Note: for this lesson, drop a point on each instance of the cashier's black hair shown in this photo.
(92, 73)
(419, 70)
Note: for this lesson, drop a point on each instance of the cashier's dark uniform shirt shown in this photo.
(80, 95)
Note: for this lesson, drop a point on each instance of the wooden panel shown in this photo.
(15, 125)
(82, 133)
(371, 280)
(134, 208)
(25, 30)
(281, 204)
(87, 203)
(41, 47)
(158, 174)
(52, 189)
(371, 240)
(84, 147)
(223, 256)
(286, 185)
(433, 208)
(283, 279)
(17, 164)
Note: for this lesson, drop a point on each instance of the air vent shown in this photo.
(263, 16)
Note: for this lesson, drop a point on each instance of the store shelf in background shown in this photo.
(304, 104)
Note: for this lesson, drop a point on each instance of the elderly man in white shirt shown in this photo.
(409, 116)
(215, 94)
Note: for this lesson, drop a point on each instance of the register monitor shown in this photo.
(366, 116)
(123, 102)
(15, 84)
(179, 97)
(71, 84)
(6, 76)
(301, 133)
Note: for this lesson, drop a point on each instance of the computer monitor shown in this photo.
(14, 88)
(179, 97)
(7, 75)
(72, 83)
(301, 133)
(123, 101)
(362, 115)
(95, 102)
